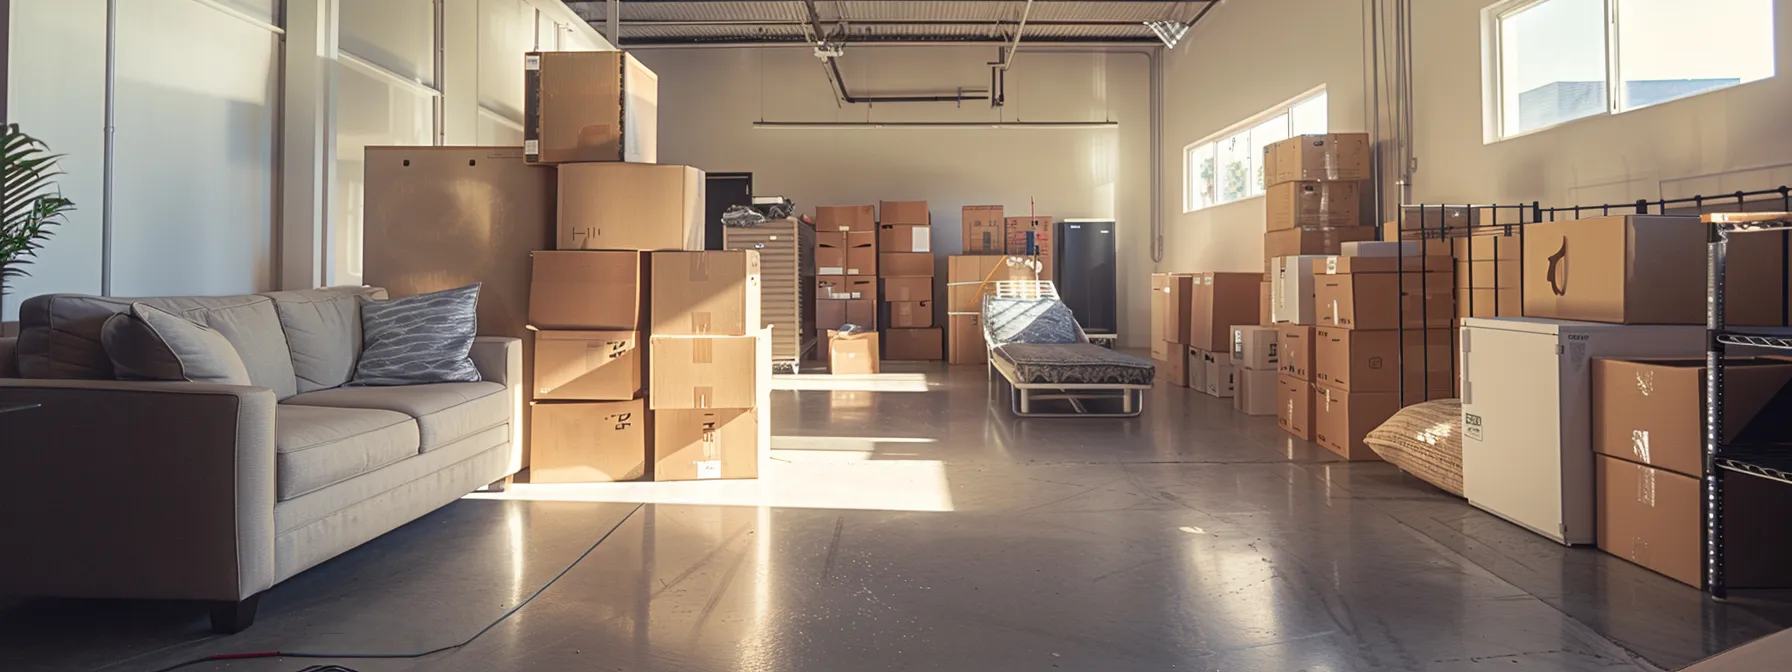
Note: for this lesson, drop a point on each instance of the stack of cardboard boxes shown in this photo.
(972, 275)
(846, 285)
(1216, 303)
(905, 266)
(1256, 361)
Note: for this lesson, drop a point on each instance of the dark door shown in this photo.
(721, 190)
(1084, 266)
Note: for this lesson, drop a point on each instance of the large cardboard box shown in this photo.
(1487, 247)
(852, 353)
(1358, 360)
(1160, 308)
(1291, 297)
(1182, 368)
(1217, 374)
(1507, 302)
(985, 230)
(1256, 393)
(1292, 242)
(1331, 157)
(587, 365)
(1650, 516)
(908, 289)
(845, 218)
(589, 106)
(1294, 344)
(712, 293)
(910, 314)
(1503, 274)
(1294, 406)
(1292, 204)
(1375, 300)
(630, 206)
(589, 442)
(832, 287)
(704, 371)
(861, 253)
(915, 345)
(970, 277)
(846, 253)
(1220, 301)
(1254, 347)
(905, 264)
(903, 212)
(1341, 419)
(1392, 248)
(1178, 308)
(588, 290)
(830, 253)
(904, 238)
(964, 336)
(1652, 411)
(695, 445)
(835, 313)
(1644, 269)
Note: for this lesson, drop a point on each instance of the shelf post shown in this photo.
(1712, 505)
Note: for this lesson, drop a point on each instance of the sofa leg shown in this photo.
(498, 485)
(229, 618)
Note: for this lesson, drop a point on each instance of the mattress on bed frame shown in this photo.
(1075, 363)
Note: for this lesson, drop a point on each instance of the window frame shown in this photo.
(1190, 173)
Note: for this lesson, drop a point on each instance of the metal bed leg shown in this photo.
(1026, 401)
(1126, 401)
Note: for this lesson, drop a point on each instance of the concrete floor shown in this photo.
(918, 528)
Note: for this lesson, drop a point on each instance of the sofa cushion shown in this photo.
(445, 412)
(149, 343)
(59, 335)
(323, 331)
(420, 339)
(316, 446)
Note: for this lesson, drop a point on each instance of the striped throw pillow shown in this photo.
(419, 339)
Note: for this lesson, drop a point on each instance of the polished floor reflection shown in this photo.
(901, 529)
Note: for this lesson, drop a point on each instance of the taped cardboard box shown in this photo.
(1330, 157)
(1294, 344)
(1341, 419)
(1292, 289)
(705, 444)
(1256, 393)
(1294, 204)
(914, 345)
(1644, 269)
(970, 277)
(845, 218)
(1220, 301)
(712, 293)
(908, 289)
(984, 229)
(830, 252)
(1410, 249)
(1178, 308)
(1487, 247)
(1294, 406)
(910, 314)
(861, 253)
(629, 206)
(588, 290)
(1505, 274)
(1651, 517)
(1255, 348)
(1375, 300)
(1160, 304)
(903, 212)
(836, 313)
(852, 353)
(1293, 242)
(690, 372)
(587, 365)
(905, 264)
(579, 442)
(964, 335)
(1217, 374)
(1652, 411)
(1192, 373)
(1357, 360)
(1507, 302)
(833, 287)
(589, 106)
(904, 238)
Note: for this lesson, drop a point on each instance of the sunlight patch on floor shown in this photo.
(875, 382)
(793, 479)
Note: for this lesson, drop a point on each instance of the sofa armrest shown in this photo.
(499, 359)
(9, 357)
(137, 489)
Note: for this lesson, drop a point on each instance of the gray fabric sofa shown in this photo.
(191, 491)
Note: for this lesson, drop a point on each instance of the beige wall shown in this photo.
(710, 98)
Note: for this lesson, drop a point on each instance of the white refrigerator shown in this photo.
(1527, 445)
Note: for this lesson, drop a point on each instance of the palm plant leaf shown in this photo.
(30, 202)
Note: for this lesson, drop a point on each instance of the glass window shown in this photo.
(1552, 63)
(1263, 135)
(1228, 169)
(1308, 117)
(1235, 167)
(1202, 181)
(1660, 59)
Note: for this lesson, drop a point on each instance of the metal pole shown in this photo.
(108, 165)
(1713, 503)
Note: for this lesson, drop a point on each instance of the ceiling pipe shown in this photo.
(829, 52)
(1008, 56)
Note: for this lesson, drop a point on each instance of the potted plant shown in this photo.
(30, 203)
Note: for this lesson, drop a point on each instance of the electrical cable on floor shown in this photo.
(417, 654)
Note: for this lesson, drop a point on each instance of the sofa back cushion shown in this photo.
(59, 335)
(323, 332)
(153, 344)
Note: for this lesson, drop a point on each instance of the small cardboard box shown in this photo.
(861, 253)
(1294, 344)
(985, 230)
(904, 238)
(1254, 348)
(1649, 516)
(696, 445)
(713, 293)
(587, 365)
(852, 353)
(589, 106)
(836, 313)
(629, 206)
(686, 372)
(588, 290)
(964, 334)
(903, 212)
(1507, 302)
(905, 264)
(1220, 301)
(914, 345)
(970, 277)
(588, 442)
(1644, 269)
(1315, 204)
(1652, 411)
(1193, 372)
(1178, 308)
(1217, 375)
(910, 314)
(1331, 157)
(845, 218)
(1291, 298)
(1256, 393)
(1294, 406)
(908, 289)
(1369, 361)
(1373, 300)
(830, 252)
(1292, 242)
(1341, 419)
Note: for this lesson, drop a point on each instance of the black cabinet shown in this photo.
(1083, 265)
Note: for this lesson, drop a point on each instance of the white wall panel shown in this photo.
(398, 35)
(506, 32)
(371, 111)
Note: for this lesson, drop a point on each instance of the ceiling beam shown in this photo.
(868, 40)
(655, 23)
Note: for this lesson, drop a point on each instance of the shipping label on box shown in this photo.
(845, 218)
(905, 238)
(706, 293)
(984, 229)
(587, 365)
(690, 372)
(588, 442)
(629, 206)
(587, 290)
(691, 444)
